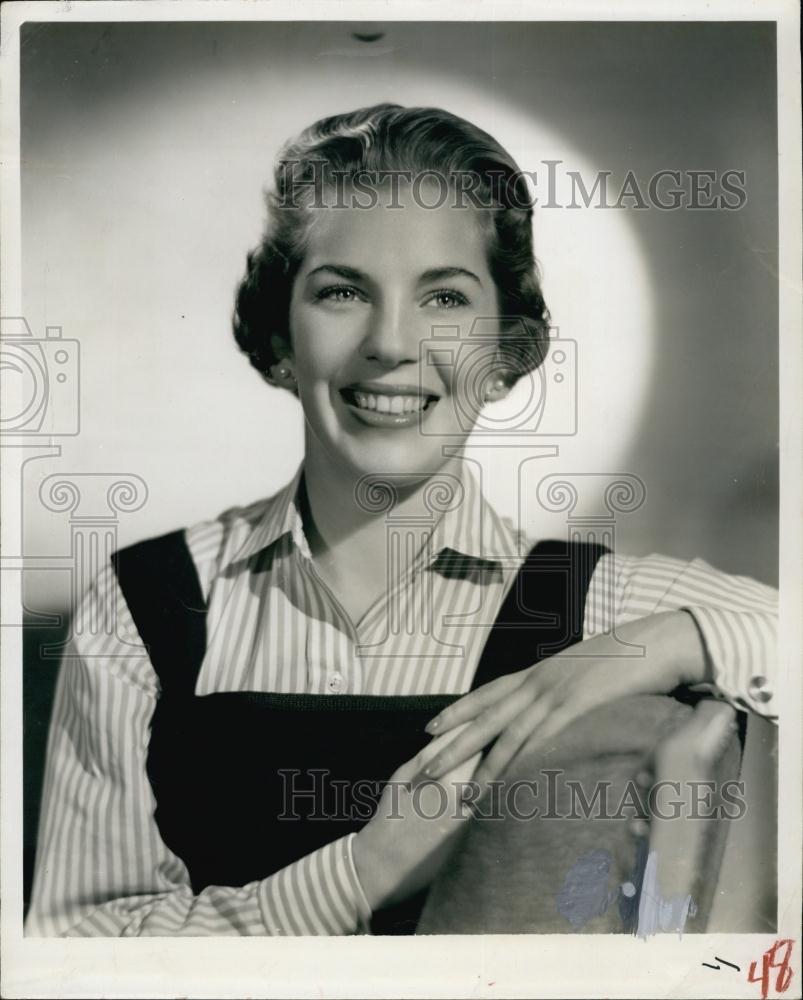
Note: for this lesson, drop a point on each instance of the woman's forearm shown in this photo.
(736, 617)
(313, 896)
(102, 867)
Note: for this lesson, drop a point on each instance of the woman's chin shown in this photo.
(409, 464)
(408, 461)
(358, 450)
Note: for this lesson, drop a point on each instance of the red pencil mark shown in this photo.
(770, 961)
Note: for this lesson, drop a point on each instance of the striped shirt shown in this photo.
(274, 626)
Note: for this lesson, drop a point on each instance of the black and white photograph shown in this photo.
(401, 471)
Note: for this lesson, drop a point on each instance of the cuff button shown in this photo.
(758, 689)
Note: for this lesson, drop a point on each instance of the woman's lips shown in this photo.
(388, 409)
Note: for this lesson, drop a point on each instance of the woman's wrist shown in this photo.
(371, 869)
(674, 639)
(701, 665)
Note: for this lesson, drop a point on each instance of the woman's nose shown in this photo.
(391, 339)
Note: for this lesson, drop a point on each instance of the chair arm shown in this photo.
(575, 869)
(694, 762)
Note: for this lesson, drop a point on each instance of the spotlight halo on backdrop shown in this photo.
(115, 167)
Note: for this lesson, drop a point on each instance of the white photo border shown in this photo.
(453, 966)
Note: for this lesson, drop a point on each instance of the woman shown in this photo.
(298, 647)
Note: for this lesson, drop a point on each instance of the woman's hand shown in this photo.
(413, 831)
(545, 698)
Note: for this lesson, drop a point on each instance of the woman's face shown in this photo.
(383, 390)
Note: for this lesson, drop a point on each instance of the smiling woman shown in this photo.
(364, 284)
(260, 770)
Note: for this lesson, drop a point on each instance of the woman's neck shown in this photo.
(348, 513)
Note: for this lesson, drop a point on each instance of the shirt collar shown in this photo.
(280, 517)
(469, 525)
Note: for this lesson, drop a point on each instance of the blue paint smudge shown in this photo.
(585, 893)
(642, 909)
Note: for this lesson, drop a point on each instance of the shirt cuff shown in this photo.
(361, 900)
(320, 894)
(742, 648)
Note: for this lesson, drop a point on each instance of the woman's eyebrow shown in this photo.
(342, 271)
(442, 273)
(431, 274)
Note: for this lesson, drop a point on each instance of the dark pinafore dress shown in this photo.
(221, 765)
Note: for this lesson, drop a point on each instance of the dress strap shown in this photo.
(544, 609)
(160, 584)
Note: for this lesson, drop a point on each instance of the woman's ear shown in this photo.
(281, 373)
(280, 347)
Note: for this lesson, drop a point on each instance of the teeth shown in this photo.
(389, 404)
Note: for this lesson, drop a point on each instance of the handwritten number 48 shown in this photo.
(769, 962)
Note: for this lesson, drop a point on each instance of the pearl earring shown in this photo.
(494, 389)
(279, 374)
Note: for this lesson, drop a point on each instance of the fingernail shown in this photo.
(431, 726)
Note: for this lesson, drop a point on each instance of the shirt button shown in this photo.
(335, 683)
(758, 689)
(639, 828)
(644, 779)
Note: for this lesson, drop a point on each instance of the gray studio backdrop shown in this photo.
(144, 151)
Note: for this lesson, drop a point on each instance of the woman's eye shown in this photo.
(446, 298)
(338, 293)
